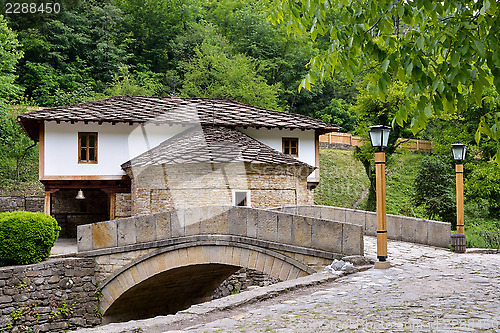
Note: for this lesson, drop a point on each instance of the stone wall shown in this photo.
(241, 280)
(17, 203)
(314, 233)
(52, 296)
(159, 188)
(401, 228)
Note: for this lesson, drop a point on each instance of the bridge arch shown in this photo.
(174, 277)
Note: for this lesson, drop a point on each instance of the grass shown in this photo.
(401, 172)
(343, 179)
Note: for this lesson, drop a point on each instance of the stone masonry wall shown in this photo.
(159, 188)
(52, 296)
(16, 203)
(241, 280)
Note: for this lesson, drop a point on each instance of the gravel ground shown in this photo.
(425, 290)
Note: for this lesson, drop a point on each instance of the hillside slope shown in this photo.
(344, 181)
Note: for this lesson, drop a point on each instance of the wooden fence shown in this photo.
(347, 140)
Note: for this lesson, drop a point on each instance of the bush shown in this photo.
(435, 190)
(26, 238)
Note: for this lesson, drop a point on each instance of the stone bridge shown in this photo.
(161, 263)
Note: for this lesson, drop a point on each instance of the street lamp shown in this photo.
(458, 239)
(379, 137)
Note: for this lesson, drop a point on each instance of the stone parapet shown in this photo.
(302, 231)
(402, 228)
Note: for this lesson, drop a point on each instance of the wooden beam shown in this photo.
(112, 205)
(41, 151)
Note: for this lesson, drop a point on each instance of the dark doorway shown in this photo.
(71, 212)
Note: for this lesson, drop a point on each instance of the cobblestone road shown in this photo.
(425, 290)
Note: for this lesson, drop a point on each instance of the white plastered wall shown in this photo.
(116, 145)
(274, 139)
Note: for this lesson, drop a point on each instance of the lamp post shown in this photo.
(379, 137)
(458, 239)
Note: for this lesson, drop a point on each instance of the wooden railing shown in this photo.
(348, 140)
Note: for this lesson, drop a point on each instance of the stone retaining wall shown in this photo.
(17, 203)
(52, 296)
(401, 228)
(241, 280)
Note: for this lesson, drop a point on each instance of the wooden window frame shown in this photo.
(248, 197)
(284, 146)
(87, 134)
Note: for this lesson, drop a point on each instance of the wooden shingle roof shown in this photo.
(173, 110)
(212, 144)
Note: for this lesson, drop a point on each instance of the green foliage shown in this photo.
(338, 113)
(342, 179)
(10, 53)
(435, 190)
(27, 238)
(373, 110)
(17, 163)
(212, 72)
(446, 53)
(483, 233)
(482, 189)
(400, 178)
(136, 84)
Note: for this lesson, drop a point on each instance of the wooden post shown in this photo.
(459, 168)
(112, 205)
(47, 201)
(46, 204)
(381, 210)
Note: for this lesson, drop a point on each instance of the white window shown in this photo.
(241, 198)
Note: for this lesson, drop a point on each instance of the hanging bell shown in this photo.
(80, 195)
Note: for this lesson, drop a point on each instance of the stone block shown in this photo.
(357, 217)
(394, 227)
(126, 231)
(302, 231)
(421, 231)
(353, 243)
(338, 214)
(276, 268)
(371, 224)
(163, 226)
(285, 225)
(252, 259)
(145, 228)
(409, 227)
(104, 235)
(192, 220)
(439, 234)
(268, 225)
(289, 210)
(327, 213)
(253, 224)
(215, 220)
(237, 219)
(311, 211)
(177, 223)
(84, 237)
(327, 235)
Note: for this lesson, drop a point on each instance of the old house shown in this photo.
(133, 155)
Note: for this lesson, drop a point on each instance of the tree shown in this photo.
(435, 190)
(212, 72)
(445, 52)
(10, 53)
(372, 110)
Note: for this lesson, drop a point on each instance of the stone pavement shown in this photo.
(426, 290)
